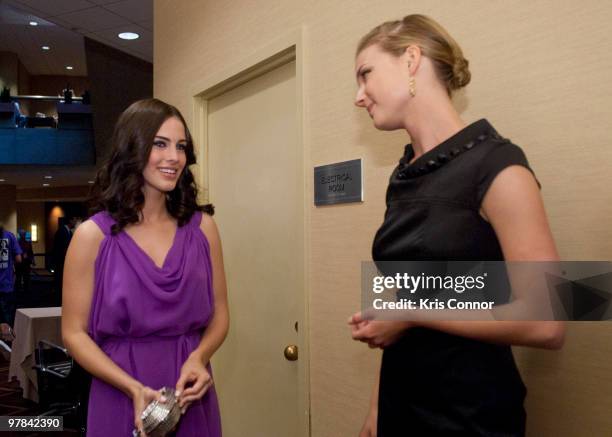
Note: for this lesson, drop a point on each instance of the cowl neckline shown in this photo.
(169, 254)
(133, 255)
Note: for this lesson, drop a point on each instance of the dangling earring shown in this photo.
(411, 84)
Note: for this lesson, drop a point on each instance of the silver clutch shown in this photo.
(158, 418)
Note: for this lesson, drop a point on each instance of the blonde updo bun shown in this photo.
(434, 41)
(461, 74)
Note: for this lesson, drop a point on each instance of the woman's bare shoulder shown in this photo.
(209, 227)
(88, 233)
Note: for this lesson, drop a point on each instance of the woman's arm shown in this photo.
(194, 379)
(77, 296)
(369, 426)
(217, 329)
(545, 335)
(514, 208)
(78, 290)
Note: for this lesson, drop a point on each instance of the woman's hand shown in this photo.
(6, 332)
(369, 426)
(142, 397)
(193, 382)
(377, 333)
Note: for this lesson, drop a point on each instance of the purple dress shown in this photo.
(148, 320)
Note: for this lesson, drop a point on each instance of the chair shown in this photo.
(63, 386)
(9, 115)
(34, 122)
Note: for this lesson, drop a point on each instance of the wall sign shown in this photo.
(340, 182)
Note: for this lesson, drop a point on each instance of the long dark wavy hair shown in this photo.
(119, 182)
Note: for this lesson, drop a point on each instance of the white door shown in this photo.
(256, 185)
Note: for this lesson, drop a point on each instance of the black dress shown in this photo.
(433, 383)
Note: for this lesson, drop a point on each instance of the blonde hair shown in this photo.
(434, 41)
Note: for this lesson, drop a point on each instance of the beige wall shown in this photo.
(75, 193)
(9, 72)
(13, 74)
(8, 207)
(116, 80)
(33, 213)
(539, 74)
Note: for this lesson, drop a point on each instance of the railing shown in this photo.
(45, 98)
(67, 140)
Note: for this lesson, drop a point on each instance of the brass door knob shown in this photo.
(291, 352)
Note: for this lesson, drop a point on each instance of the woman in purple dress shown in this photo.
(145, 301)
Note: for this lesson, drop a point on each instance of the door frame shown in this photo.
(285, 49)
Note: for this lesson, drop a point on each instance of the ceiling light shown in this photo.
(90, 182)
(33, 23)
(128, 35)
(45, 185)
(69, 67)
(2, 180)
(48, 177)
(46, 48)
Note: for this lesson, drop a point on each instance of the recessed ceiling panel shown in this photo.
(57, 7)
(94, 19)
(97, 19)
(17, 36)
(136, 10)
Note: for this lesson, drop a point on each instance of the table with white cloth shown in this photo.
(31, 326)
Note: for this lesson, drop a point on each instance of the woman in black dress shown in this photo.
(460, 192)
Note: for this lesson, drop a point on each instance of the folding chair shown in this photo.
(63, 385)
